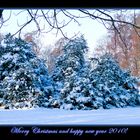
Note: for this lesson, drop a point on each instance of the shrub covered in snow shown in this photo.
(24, 80)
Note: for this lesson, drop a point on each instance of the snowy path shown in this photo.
(129, 115)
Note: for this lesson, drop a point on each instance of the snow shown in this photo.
(139, 89)
(83, 99)
(115, 116)
(3, 44)
(17, 86)
(7, 56)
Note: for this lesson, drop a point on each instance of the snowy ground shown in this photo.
(129, 115)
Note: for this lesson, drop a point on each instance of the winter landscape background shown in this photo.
(66, 85)
(74, 85)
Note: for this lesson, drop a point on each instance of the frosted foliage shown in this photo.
(24, 81)
(69, 70)
(106, 86)
(114, 85)
(75, 84)
(68, 66)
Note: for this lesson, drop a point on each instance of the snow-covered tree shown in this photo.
(69, 66)
(116, 87)
(105, 85)
(72, 59)
(24, 80)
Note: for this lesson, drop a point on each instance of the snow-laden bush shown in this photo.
(24, 80)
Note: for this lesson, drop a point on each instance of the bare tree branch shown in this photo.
(34, 19)
(53, 20)
(110, 18)
(19, 31)
(4, 21)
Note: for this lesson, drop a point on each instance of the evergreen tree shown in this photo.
(24, 80)
(105, 85)
(69, 66)
(115, 86)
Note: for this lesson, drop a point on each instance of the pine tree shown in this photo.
(24, 80)
(115, 87)
(105, 85)
(69, 66)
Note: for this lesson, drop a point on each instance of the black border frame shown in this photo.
(133, 130)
